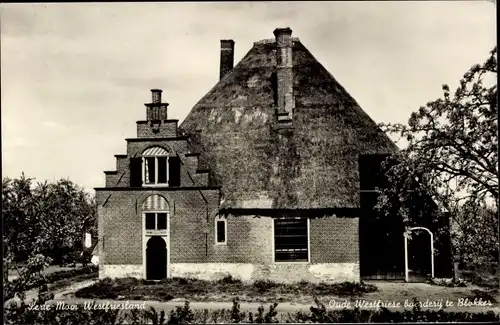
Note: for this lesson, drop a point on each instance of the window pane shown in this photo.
(162, 221)
(290, 240)
(150, 169)
(162, 170)
(150, 221)
(221, 231)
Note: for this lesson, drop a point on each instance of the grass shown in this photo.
(221, 290)
(483, 278)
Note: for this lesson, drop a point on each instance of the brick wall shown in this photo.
(135, 149)
(249, 240)
(167, 129)
(119, 228)
(192, 239)
(120, 222)
(334, 240)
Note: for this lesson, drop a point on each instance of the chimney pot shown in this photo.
(226, 56)
(284, 60)
(283, 36)
(156, 96)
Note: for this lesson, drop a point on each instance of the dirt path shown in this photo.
(69, 290)
(59, 294)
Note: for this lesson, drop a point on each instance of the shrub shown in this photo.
(59, 275)
(228, 279)
(181, 315)
(270, 316)
(264, 285)
(155, 317)
(236, 315)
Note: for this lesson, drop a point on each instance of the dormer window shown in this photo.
(156, 167)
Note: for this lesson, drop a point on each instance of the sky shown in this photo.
(75, 76)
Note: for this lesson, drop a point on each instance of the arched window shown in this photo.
(155, 212)
(160, 168)
(220, 230)
(155, 166)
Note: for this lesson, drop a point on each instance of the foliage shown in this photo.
(181, 315)
(170, 288)
(264, 285)
(474, 233)
(236, 315)
(451, 156)
(46, 218)
(30, 276)
(228, 279)
(21, 314)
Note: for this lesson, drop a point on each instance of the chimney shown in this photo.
(226, 56)
(284, 71)
(156, 96)
(156, 110)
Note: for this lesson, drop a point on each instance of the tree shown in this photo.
(68, 212)
(48, 219)
(17, 215)
(451, 156)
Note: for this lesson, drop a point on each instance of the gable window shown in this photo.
(158, 168)
(220, 230)
(291, 240)
(156, 220)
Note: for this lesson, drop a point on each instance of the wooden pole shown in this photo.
(406, 256)
(432, 254)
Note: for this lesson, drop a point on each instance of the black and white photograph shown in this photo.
(249, 162)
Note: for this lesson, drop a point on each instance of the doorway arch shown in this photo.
(156, 258)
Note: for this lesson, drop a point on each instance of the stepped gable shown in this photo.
(309, 162)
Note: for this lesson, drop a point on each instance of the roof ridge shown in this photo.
(273, 40)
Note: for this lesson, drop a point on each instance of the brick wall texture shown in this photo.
(192, 211)
(192, 238)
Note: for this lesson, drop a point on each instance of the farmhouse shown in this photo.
(272, 175)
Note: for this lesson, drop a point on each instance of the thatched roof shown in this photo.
(313, 165)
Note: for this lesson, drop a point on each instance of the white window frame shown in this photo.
(165, 234)
(156, 220)
(156, 171)
(217, 219)
(308, 243)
